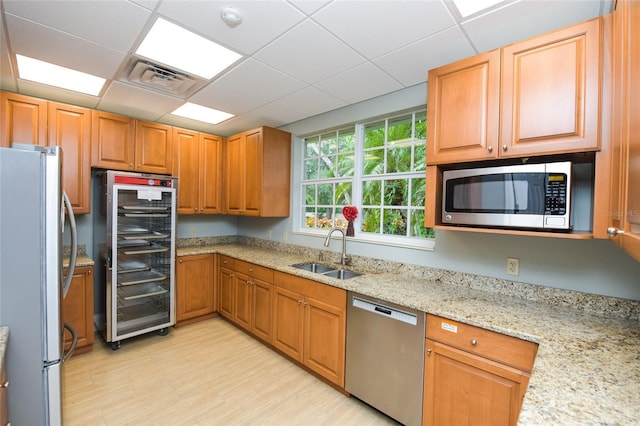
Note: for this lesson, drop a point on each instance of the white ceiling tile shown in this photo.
(410, 64)
(112, 23)
(135, 101)
(374, 28)
(524, 19)
(61, 49)
(262, 21)
(307, 102)
(309, 6)
(246, 87)
(365, 81)
(309, 53)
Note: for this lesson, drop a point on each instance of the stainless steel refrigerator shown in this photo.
(32, 287)
(134, 238)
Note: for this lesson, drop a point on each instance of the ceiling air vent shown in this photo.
(162, 79)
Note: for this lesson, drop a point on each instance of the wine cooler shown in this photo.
(137, 250)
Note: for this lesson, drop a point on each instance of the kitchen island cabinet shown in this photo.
(77, 309)
(195, 288)
(473, 375)
(199, 188)
(257, 171)
(309, 325)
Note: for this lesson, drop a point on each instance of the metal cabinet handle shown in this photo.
(5, 384)
(504, 148)
(428, 351)
(180, 261)
(250, 269)
(299, 302)
(474, 342)
(612, 232)
(490, 148)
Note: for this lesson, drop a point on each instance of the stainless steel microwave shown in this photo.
(535, 196)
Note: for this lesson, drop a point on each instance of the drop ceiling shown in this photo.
(300, 58)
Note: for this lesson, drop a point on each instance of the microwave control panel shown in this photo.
(556, 194)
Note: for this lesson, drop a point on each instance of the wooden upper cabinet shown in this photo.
(112, 141)
(550, 97)
(257, 172)
(70, 128)
(463, 110)
(153, 147)
(22, 119)
(537, 97)
(197, 163)
(624, 210)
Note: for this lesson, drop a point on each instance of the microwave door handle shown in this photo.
(66, 283)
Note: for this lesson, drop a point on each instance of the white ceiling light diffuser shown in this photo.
(55, 75)
(470, 7)
(201, 113)
(174, 46)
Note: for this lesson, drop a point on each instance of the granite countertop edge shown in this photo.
(587, 368)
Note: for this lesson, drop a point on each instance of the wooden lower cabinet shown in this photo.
(77, 309)
(473, 376)
(195, 291)
(309, 324)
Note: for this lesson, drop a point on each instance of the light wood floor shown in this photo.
(208, 373)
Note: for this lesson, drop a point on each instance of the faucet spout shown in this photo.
(345, 259)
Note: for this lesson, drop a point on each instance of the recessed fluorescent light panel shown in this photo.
(54, 75)
(470, 7)
(201, 113)
(176, 47)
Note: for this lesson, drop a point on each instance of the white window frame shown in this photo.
(374, 238)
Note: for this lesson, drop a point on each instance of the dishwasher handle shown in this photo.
(387, 311)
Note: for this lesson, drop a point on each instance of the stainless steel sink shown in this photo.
(318, 268)
(342, 274)
(329, 271)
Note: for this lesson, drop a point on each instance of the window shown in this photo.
(379, 167)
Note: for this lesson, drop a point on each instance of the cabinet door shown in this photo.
(261, 309)
(186, 149)
(461, 388)
(463, 110)
(624, 212)
(550, 92)
(22, 120)
(210, 178)
(234, 174)
(324, 345)
(70, 128)
(154, 144)
(194, 286)
(112, 141)
(242, 303)
(253, 173)
(226, 293)
(288, 322)
(77, 309)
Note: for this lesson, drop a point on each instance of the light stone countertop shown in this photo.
(587, 370)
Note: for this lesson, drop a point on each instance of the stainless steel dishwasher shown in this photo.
(385, 357)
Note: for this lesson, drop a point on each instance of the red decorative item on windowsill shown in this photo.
(350, 213)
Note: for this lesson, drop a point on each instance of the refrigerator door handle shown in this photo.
(74, 341)
(66, 283)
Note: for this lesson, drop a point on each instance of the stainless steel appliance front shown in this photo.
(385, 357)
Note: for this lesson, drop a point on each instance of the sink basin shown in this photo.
(329, 271)
(318, 268)
(342, 274)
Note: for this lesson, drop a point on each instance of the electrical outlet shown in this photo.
(269, 234)
(193, 230)
(284, 235)
(513, 266)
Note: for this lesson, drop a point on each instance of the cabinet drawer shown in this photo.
(254, 271)
(508, 350)
(227, 262)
